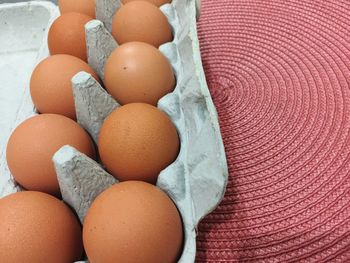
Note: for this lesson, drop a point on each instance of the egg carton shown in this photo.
(23, 33)
(196, 181)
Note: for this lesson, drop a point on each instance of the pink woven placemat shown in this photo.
(279, 74)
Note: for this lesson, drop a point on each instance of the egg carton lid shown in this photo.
(23, 28)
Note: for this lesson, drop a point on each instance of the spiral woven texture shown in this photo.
(279, 74)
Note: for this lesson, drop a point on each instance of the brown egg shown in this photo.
(133, 222)
(141, 21)
(34, 142)
(137, 141)
(155, 2)
(138, 72)
(51, 86)
(67, 35)
(86, 7)
(36, 227)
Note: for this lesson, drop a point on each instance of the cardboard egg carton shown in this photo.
(196, 181)
(23, 44)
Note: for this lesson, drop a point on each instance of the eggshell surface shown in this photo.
(34, 142)
(141, 21)
(86, 7)
(133, 222)
(36, 227)
(51, 86)
(138, 72)
(137, 141)
(67, 35)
